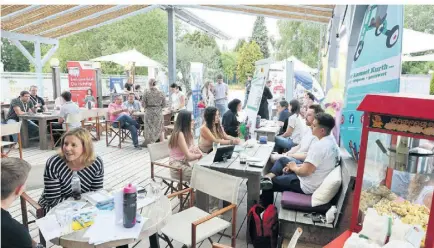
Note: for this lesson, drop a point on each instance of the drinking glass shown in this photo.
(156, 187)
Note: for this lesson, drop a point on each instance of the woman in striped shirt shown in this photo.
(76, 154)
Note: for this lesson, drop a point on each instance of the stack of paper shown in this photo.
(105, 229)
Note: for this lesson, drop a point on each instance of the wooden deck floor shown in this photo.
(127, 165)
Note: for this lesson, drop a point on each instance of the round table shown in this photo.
(157, 212)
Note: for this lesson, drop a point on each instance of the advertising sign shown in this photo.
(116, 84)
(81, 78)
(255, 95)
(196, 81)
(376, 67)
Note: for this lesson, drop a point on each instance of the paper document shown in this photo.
(49, 227)
(105, 229)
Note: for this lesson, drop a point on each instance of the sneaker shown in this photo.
(138, 147)
(266, 183)
(144, 144)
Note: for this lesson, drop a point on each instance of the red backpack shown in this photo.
(263, 231)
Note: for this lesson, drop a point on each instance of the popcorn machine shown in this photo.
(395, 174)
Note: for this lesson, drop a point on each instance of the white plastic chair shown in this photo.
(194, 225)
(10, 129)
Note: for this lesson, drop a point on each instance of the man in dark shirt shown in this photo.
(37, 100)
(283, 113)
(266, 95)
(19, 106)
(14, 172)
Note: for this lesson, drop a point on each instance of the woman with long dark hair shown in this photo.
(181, 145)
(212, 131)
(296, 126)
(230, 120)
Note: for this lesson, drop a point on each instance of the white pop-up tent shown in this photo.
(124, 58)
(298, 65)
(415, 42)
(422, 58)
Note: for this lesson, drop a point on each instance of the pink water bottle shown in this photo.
(130, 206)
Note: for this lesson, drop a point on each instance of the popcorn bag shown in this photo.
(376, 227)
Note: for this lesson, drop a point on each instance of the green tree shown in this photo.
(431, 86)
(299, 39)
(260, 35)
(12, 58)
(248, 55)
(229, 63)
(239, 44)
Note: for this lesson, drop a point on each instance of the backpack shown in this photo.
(263, 232)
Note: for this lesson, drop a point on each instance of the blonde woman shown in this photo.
(207, 94)
(76, 154)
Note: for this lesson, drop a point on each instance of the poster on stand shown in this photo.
(196, 81)
(376, 67)
(81, 78)
(258, 82)
(116, 84)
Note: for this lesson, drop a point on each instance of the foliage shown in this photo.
(431, 86)
(229, 63)
(248, 55)
(239, 44)
(299, 39)
(12, 58)
(260, 35)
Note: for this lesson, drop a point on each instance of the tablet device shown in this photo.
(223, 152)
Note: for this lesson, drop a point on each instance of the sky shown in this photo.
(235, 25)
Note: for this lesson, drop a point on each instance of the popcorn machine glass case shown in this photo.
(395, 174)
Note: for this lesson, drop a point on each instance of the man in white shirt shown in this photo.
(321, 159)
(299, 152)
(221, 95)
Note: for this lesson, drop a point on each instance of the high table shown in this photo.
(42, 119)
(233, 167)
(269, 129)
(157, 212)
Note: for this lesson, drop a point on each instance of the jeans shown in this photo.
(284, 143)
(32, 127)
(129, 123)
(282, 181)
(222, 107)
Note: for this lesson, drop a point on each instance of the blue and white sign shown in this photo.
(116, 81)
(376, 67)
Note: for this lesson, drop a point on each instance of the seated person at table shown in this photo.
(212, 132)
(230, 118)
(118, 112)
(67, 108)
(299, 152)
(20, 106)
(59, 101)
(133, 106)
(292, 136)
(181, 146)
(37, 100)
(305, 178)
(14, 173)
(76, 154)
(283, 113)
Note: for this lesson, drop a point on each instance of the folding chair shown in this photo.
(159, 154)
(90, 121)
(9, 129)
(35, 180)
(101, 119)
(194, 225)
(70, 118)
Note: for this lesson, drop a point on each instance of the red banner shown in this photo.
(81, 78)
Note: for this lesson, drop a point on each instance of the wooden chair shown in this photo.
(35, 180)
(90, 121)
(70, 119)
(159, 155)
(194, 225)
(10, 129)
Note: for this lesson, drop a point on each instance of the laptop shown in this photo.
(224, 151)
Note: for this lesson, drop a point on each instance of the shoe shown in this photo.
(138, 147)
(266, 183)
(144, 144)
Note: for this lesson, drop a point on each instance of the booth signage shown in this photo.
(402, 124)
(81, 78)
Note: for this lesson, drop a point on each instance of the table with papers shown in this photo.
(105, 230)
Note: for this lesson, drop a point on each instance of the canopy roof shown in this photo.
(414, 41)
(124, 58)
(422, 58)
(298, 65)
